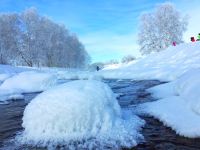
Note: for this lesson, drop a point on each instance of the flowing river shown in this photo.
(131, 93)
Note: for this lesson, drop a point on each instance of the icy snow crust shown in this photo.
(179, 107)
(79, 114)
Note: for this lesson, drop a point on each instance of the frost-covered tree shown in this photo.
(34, 40)
(160, 28)
(8, 37)
(112, 61)
(127, 59)
(30, 32)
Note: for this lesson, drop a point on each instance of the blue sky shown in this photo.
(107, 28)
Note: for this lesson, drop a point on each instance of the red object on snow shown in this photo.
(193, 39)
(174, 43)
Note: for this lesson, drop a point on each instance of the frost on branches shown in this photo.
(160, 28)
(29, 39)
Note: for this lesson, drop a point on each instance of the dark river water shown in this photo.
(131, 93)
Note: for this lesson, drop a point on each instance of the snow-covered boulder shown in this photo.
(85, 112)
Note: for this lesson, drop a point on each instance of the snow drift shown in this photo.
(179, 107)
(29, 82)
(166, 65)
(81, 113)
(26, 82)
(7, 71)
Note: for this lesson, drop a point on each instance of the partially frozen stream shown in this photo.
(157, 136)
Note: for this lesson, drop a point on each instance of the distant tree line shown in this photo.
(125, 60)
(128, 58)
(32, 40)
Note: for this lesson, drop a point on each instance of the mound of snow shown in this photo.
(175, 113)
(179, 107)
(166, 65)
(187, 87)
(80, 113)
(7, 69)
(29, 82)
(26, 82)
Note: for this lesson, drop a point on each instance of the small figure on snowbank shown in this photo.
(174, 43)
(192, 39)
(198, 37)
(98, 68)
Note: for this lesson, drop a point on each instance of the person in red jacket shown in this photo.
(174, 43)
(193, 39)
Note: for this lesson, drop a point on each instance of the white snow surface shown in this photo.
(7, 71)
(29, 82)
(179, 106)
(81, 114)
(166, 65)
(3, 77)
(26, 82)
(175, 113)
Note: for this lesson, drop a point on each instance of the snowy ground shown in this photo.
(167, 65)
(25, 82)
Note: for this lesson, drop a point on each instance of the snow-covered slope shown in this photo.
(166, 65)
